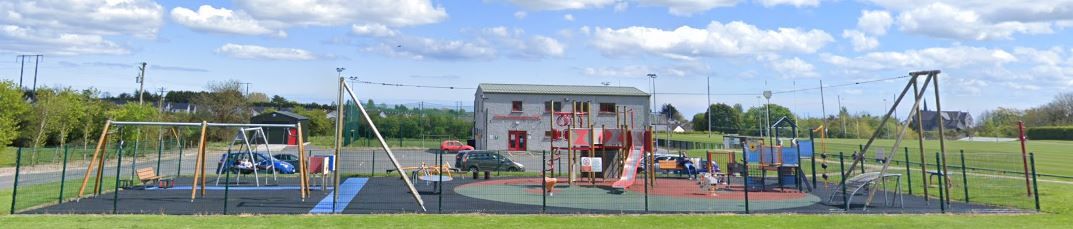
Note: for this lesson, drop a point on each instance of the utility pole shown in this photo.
(141, 83)
(161, 104)
(22, 67)
(247, 89)
(823, 108)
(709, 107)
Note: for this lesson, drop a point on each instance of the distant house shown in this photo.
(952, 120)
(180, 108)
(287, 136)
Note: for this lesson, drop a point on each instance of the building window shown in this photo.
(581, 107)
(607, 108)
(553, 106)
(516, 106)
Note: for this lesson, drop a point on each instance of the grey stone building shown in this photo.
(516, 116)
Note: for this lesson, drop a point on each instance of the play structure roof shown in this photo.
(560, 89)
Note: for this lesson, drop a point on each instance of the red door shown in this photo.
(516, 140)
(292, 137)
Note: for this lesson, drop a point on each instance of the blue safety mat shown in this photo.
(347, 191)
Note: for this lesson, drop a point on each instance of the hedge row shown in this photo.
(1050, 133)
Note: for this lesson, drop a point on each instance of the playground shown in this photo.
(590, 168)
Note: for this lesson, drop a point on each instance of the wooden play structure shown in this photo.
(96, 164)
(593, 152)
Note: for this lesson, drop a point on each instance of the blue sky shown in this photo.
(992, 53)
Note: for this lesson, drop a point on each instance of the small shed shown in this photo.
(277, 135)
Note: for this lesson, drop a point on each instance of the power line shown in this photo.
(841, 85)
(413, 85)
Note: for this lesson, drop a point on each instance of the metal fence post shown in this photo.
(942, 178)
(118, 167)
(964, 177)
(439, 186)
(15, 188)
(63, 174)
(648, 168)
(543, 182)
(159, 153)
(134, 157)
(372, 169)
(861, 150)
(745, 182)
(813, 157)
(179, 170)
(227, 184)
(908, 174)
(1035, 185)
(842, 170)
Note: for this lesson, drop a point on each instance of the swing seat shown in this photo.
(148, 176)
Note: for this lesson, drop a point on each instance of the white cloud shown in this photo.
(945, 21)
(861, 42)
(641, 71)
(795, 3)
(222, 20)
(520, 14)
(514, 40)
(260, 52)
(28, 40)
(792, 68)
(688, 7)
(874, 22)
(69, 27)
(373, 30)
(568, 17)
(420, 48)
(718, 39)
(621, 7)
(337, 12)
(561, 4)
(929, 58)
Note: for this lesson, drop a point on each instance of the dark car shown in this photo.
(483, 160)
(286, 157)
(263, 163)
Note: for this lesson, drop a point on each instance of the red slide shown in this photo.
(629, 170)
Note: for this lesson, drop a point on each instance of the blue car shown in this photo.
(264, 163)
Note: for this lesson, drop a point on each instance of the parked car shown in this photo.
(286, 157)
(484, 160)
(263, 162)
(454, 146)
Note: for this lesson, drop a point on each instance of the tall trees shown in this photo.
(724, 118)
(224, 103)
(12, 108)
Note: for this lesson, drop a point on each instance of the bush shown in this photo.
(1050, 133)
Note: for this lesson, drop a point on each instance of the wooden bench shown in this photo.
(148, 175)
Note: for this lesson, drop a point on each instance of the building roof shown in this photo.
(560, 89)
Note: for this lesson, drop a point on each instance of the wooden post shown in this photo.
(338, 143)
(96, 152)
(199, 169)
(302, 169)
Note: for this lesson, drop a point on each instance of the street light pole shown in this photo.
(653, 77)
(767, 106)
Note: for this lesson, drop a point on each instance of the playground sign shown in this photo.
(592, 164)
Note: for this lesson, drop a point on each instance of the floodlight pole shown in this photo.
(708, 107)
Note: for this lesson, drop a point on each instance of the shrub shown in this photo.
(1050, 133)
